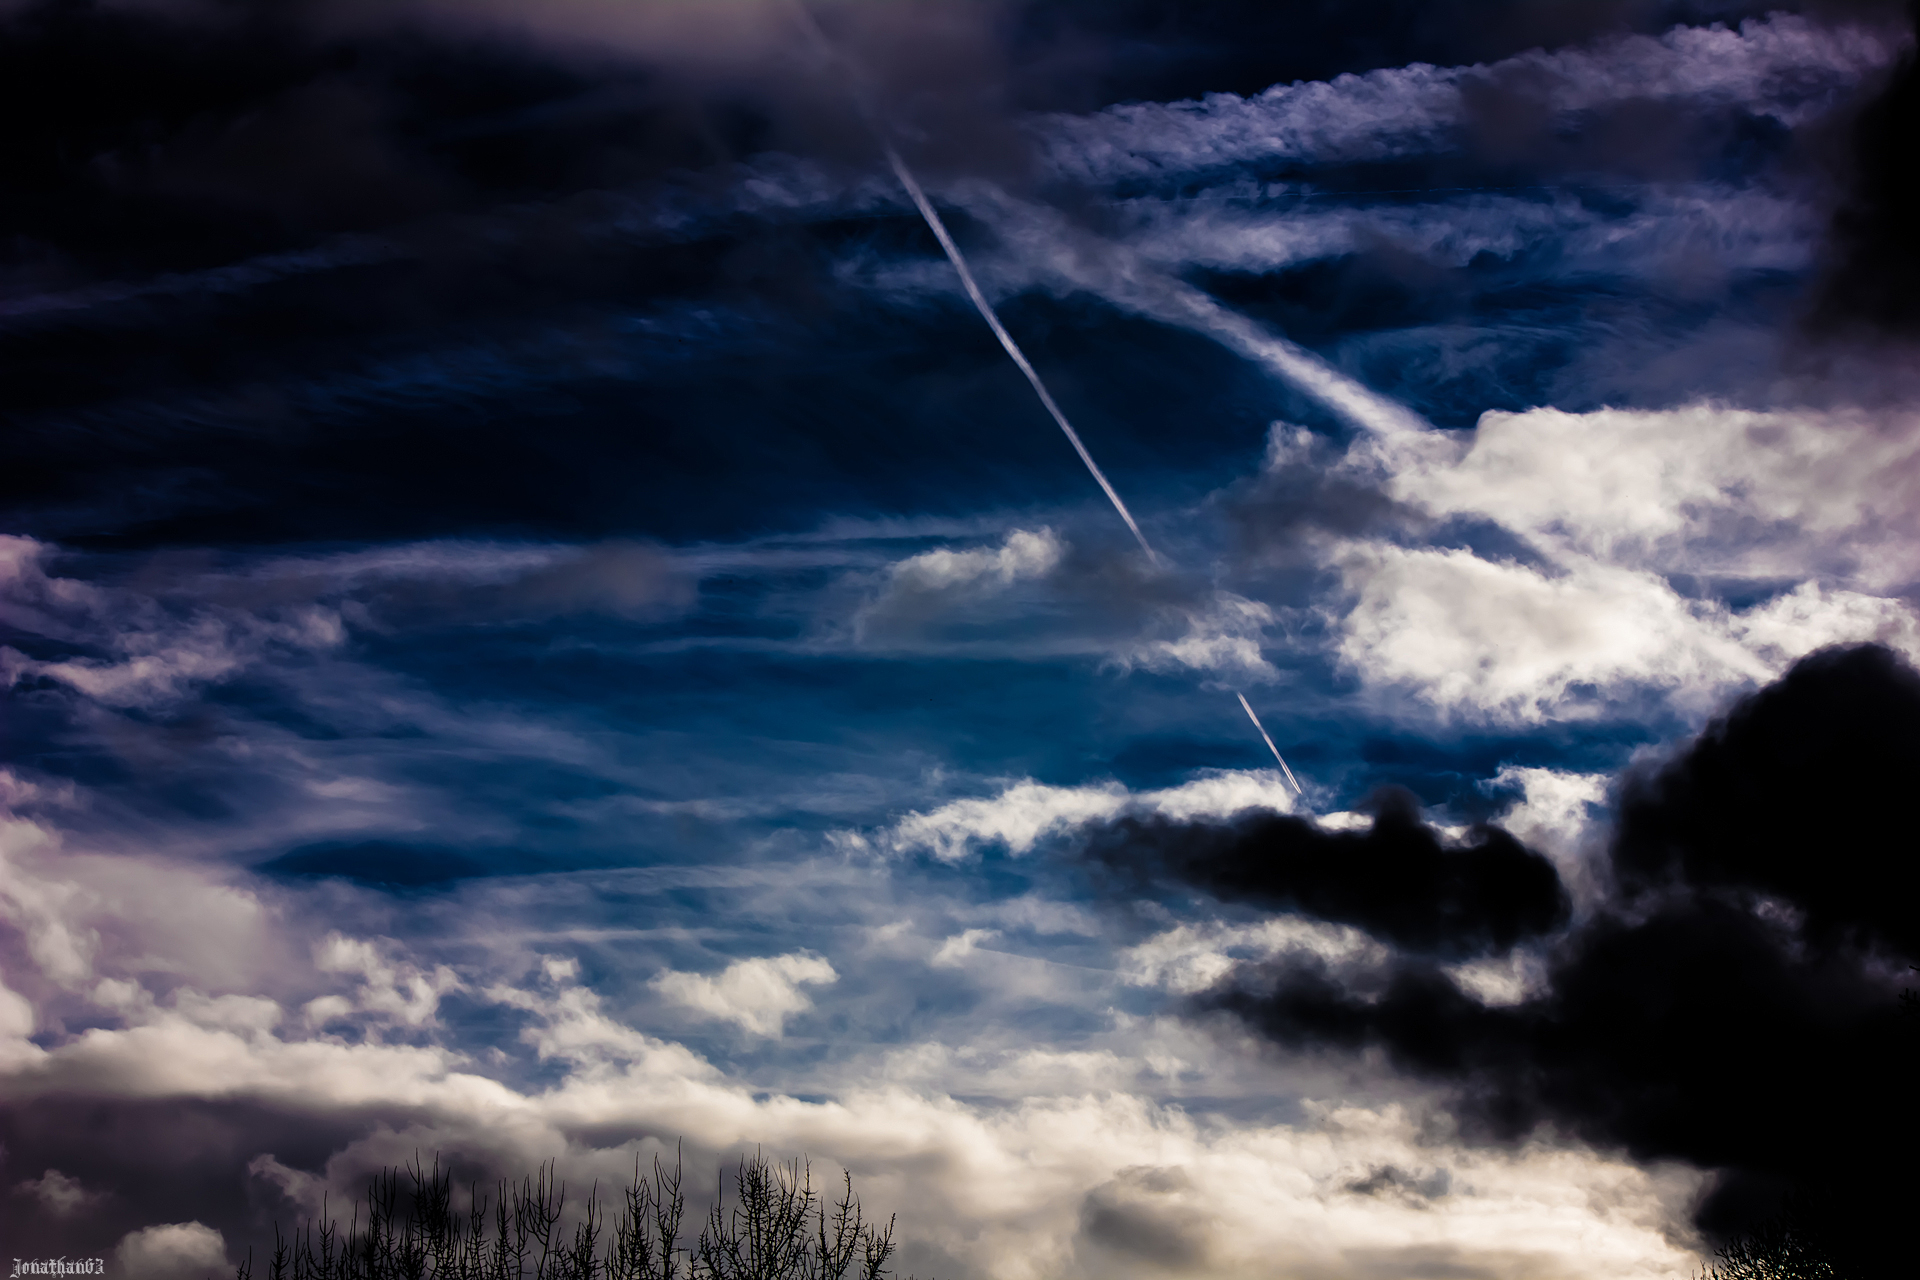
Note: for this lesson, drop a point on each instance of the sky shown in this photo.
(541, 623)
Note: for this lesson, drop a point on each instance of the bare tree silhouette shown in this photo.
(773, 1226)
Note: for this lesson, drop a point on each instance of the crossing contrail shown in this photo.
(1245, 705)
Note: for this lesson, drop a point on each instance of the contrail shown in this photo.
(959, 261)
(1248, 708)
(1384, 417)
(987, 313)
(985, 308)
(1117, 273)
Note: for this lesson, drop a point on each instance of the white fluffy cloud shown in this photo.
(1702, 489)
(944, 585)
(1222, 638)
(1559, 815)
(1025, 554)
(1644, 528)
(389, 989)
(1026, 812)
(1494, 640)
(174, 1251)
(756, 994)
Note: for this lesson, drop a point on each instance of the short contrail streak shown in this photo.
(1248, 708)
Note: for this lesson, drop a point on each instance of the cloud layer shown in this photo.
(539, 624)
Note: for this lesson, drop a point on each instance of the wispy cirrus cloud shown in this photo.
(1786, 67)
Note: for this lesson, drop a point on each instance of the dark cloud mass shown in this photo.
(1799, 794)
(1396, 879)
(1873, 277)
(1738, 1008)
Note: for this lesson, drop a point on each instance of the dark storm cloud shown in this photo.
(1795, 795)
(1873, 270)
(1397, 879)
(1737, 1007)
